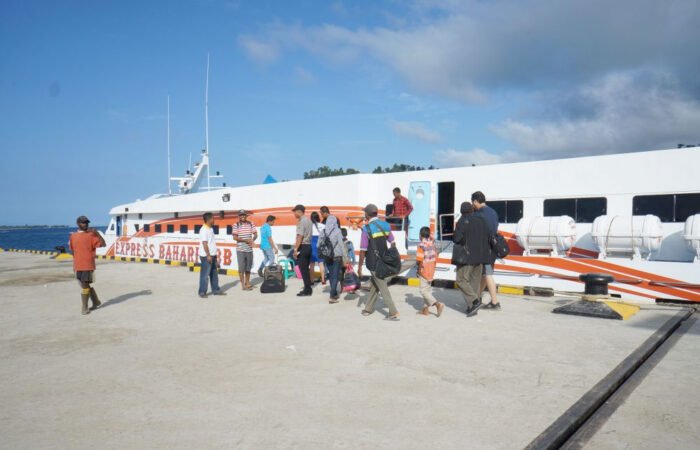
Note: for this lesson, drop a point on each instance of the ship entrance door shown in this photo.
(445, 210)
(419, 196)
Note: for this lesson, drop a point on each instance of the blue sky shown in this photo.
(297, 85)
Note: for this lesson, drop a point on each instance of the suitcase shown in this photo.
(273, 280)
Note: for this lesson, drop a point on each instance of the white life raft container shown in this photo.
(691, 234)
(556, 234)
(629, 235)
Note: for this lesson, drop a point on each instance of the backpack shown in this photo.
(325, 246)
(387, 264)
(273, 280)
(499, 245)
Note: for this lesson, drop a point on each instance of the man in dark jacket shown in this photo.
(471, 251)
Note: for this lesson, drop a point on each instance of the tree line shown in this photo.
(325, 171)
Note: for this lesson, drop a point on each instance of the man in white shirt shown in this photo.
(207, 257)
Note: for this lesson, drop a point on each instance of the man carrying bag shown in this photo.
(378, 250)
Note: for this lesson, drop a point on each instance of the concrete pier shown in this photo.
(157, 367)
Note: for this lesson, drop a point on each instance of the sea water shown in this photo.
(37, 238)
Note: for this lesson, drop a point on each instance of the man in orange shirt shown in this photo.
(83, 244)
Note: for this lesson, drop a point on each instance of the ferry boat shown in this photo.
(635, 216)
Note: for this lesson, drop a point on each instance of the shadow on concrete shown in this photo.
(228, 286)
(124, 297)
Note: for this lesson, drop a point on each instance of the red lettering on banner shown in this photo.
(152, 250)
(161, 251)
(227, 257)
(190, 254)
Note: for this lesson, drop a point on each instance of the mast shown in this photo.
(170, 191)
(206, 122)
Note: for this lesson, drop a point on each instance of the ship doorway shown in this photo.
(445, 210)
(419, 196)
(119, 226)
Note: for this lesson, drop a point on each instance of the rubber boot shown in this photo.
(85, 299)
(95, 301)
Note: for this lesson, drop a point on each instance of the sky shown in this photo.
(298, 85)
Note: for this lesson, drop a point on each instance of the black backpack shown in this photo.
(499, 245)
(273, 280)
(387, 264)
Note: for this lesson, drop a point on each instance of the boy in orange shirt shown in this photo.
(426, 256)
(83, 244)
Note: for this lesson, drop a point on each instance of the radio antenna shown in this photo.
(170, 191)
(206, 122)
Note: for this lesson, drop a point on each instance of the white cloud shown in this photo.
(416, 130)
(258, 50)
(631, 113)
(304, 76)
(460, 158)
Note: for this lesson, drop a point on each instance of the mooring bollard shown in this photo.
(596, 284)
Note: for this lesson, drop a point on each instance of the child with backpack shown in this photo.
(426, 257)
(349, 247)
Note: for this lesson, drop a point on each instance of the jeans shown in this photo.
(334, 267)
(303, 261)
(269, 257)
(208, 271)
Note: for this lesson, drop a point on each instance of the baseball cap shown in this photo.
(82, 219)
(299, 208)
(371, 209)
(242, 212)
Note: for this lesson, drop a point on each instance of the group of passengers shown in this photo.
(472, 253)
(321, 240)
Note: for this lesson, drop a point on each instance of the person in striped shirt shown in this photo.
(244, 233)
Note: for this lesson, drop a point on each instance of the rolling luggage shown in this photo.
(273, 280)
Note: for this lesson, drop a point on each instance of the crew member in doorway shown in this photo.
(401, 209)
(490, 216)
(83, 244)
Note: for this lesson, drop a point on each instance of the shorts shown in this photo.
(488, 270)
(85, 276)
(245, 261)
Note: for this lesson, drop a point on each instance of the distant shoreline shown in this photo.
(30, 227)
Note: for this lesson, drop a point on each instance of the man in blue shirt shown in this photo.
(491, 217)
(267, 245)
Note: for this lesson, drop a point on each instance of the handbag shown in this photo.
(388, 264)
(351, 282)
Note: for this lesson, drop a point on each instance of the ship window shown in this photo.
(158, 228)
(140, 216)
(137, 227)
(197, 228)
(509, 211)
(229, 229)
(686, 206)
(177, 215)
(183, 229)
(560, 207)
(587, 209)
(222, 214)
(170, 228)
(215, 228)
(668, 207)
(147, 227)
(657, 205)
(582, 210)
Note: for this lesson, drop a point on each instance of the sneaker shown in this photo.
(471, 312)
(493, 306)
(304, 294)
(203, 295)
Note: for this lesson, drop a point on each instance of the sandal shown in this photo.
(424, 312)
(333, 301)
(392, 318)
(439, 307)
(366, 313)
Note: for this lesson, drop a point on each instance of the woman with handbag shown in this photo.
(378, 250)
